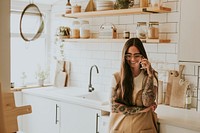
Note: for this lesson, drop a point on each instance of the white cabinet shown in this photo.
(189, 44)
(76, 119)
(44, 117)
(51, 116)
(164, 128)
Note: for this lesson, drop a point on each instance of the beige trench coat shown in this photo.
(143, 122)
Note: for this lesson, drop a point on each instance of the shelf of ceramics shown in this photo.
(146, 10)
(97, 40)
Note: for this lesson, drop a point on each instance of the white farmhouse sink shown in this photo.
(80, 95)
(96, 97)
(69, 91)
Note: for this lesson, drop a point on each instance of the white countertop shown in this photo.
(189, 119)
(184, 118)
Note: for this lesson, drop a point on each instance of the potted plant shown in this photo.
(41, 75)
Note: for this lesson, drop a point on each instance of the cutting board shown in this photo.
(62, 74)
(179, 88)
(60, 79)
(171, 75)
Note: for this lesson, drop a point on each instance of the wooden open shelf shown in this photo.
(97, 40)
(145, 10)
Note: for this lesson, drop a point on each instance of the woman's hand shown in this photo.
(146, 65)
(152, 107)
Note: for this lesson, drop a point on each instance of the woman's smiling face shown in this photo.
(133, 57)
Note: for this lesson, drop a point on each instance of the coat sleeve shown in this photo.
(119, 107)
(150, 91)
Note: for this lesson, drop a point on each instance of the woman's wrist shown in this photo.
(150, 72)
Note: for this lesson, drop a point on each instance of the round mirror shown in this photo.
(31, 23)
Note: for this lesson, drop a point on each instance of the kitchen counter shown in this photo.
(184, 118)
(178, 117)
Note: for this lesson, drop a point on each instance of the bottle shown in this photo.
(84, 29)
(188, 100)
(153, 30)
(68, 7)
(75, 29)
(141, 30)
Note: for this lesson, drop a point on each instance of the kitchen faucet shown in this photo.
(90, 88)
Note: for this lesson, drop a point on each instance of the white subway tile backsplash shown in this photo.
(168, 27)
(158, 17)
(150, 47)
(192, 79)
(112, 19)
(112, 55)
(131, 28)
(189, 69)
(157, 57)
(126, 19)
(117, 46)
(167, 48)
(172, 58)
(98, 20)
(141, 18)
(173, 17)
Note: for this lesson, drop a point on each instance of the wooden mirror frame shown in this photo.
(39, 32)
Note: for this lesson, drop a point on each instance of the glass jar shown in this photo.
(153, 30)
(141, 30)
(156, 3)
(75, 32)
(84, 29)
(144, 3)
(126, 35)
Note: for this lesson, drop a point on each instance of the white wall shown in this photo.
(107, 56)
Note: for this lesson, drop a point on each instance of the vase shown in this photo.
(41, 82)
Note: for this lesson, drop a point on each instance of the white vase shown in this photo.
(41, 82)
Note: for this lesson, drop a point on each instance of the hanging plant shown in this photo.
(121, 4)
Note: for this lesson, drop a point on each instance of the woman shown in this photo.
(134, 92)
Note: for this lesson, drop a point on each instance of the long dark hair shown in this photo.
(126, 85)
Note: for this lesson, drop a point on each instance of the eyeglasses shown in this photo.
(136, 56)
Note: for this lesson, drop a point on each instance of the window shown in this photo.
(26, 57)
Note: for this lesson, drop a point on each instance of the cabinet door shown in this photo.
(189, 44)
(79, 119)
(43, 118)
(164, 128)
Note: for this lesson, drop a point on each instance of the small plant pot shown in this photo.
(41, 82)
